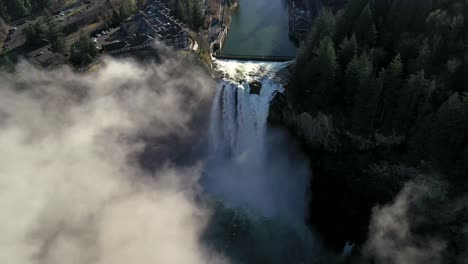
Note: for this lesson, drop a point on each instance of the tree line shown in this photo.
(46, 30)
(188, 11)
(373, 54)
(392, 67)
(15, 9)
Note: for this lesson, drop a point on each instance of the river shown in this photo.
(259, 28)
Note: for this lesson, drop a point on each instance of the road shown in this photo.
(19, 38)
(44, 53)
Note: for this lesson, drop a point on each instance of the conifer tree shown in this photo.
(365, 29)
(391, 79)
(348, 49)
(197, 17)
(357, 72)
(412, 102)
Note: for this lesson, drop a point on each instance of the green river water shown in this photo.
(259, 28)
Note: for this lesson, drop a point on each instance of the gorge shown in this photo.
(257, 169)
(255, 172)
(374, 116)
(355, 152)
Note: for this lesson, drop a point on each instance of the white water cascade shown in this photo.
(256, 174)
(250, 166)
(238, 118)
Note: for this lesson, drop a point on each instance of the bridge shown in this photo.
(254, 58)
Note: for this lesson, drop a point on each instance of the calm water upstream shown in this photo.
(259, 28)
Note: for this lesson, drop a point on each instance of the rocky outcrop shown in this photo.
(255, 87)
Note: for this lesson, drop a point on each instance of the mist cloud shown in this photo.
(425, 224)
(72, 189)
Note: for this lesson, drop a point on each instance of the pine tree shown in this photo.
(424, 56)
(322, 28)
(197, 18)
(412, 101)
(4, 12)
(352, 11)
(57, 43)
(35, 33)
(18, 8)
(326, 59)
(180, 10)
(55, 36)
(348, 49)
(323, 73)
(357, 72)
(379, 58)
(84, 52)
(187, 10)
(391, 79)
(126, 8)
(365, 29)
(44, 4)
(324, 25)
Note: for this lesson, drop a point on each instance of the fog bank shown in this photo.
(71, 187)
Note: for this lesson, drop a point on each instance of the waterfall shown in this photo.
(257, 175)
(238, 118)
(247, 167)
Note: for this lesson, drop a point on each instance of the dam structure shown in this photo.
(270, 58)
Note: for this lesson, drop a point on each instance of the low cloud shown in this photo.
(423, 225)
(72, 188)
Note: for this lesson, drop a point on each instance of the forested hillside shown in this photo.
(391, 67)
(383, 44)
(379, 96)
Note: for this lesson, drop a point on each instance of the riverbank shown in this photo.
(219, 24)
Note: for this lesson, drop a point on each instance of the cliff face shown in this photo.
(353, 173)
